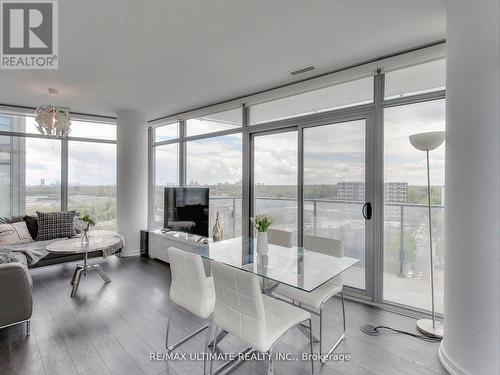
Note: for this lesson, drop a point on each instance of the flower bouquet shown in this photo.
(83, 225)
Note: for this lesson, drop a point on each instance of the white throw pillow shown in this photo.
(14, 233)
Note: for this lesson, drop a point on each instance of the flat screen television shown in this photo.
(186, 210)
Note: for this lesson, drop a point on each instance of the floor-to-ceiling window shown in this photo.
(37, 175)
(203, 151)
(216, 163)
(406, 276)
(92, 181)
(42, 175)
(275, 179)
(316, 160)
(406, 238)
(166, 168)
(5, 164)
(166, 174)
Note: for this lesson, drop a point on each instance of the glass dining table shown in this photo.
(294, 266)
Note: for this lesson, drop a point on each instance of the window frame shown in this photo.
(373, 112)
(64, 145)
(379, 270)
(182, 141)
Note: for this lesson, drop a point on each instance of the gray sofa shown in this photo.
(16, 283)
(15, 294)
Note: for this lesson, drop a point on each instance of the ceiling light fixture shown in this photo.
(52, 120)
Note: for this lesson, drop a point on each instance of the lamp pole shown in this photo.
(426, 142)
(430, 239)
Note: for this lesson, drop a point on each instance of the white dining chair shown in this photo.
(190, 289)
(314, 301)
(257, 319)
(280, 237)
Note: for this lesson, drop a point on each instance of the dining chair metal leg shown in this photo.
(231, 365)
(169, 320)
(184, 339)
(207, 340)
(214, 347)
(311, 344)
(270, 364)
(343, 309)
(320, 332)
(220, 335)
(28, 327)
(324, 357)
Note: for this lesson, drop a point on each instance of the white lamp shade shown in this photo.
(427, 141)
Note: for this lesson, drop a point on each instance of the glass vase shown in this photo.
(262, 243)
(85, 237)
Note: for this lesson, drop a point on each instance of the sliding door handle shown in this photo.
(367, 210)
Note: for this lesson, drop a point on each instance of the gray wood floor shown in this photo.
(113, 328)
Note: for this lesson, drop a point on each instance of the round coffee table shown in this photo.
(99, 240)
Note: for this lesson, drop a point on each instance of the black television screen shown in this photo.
(186, 210)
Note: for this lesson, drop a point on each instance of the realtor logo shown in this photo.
(29, 38)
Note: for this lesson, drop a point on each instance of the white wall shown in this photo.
(132, 177)
(471, 342)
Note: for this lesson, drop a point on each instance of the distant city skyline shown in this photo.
(91, 164)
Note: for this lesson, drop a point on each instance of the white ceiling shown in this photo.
(163, 57)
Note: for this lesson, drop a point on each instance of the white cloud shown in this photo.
(91, 163)
(215, 160)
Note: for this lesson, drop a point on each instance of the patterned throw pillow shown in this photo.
(55, 225)
(14, 233)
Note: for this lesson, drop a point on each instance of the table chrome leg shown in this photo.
(85, 267)
(78, 276)
(74, 274)
(101, 273)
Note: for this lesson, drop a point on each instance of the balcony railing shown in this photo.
(405, 226)
(406, 257)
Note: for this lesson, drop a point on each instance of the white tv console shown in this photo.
(160, 241)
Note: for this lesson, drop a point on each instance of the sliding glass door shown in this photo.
(335, 189)
(312, 180)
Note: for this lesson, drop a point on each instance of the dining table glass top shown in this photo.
(294, 266)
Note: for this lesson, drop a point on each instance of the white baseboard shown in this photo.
(449, 364)
(130, 254)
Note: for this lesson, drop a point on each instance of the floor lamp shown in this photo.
(427, 142)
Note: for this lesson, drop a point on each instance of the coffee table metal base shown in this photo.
(83, 269)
